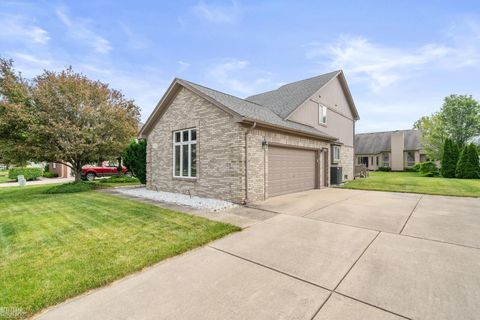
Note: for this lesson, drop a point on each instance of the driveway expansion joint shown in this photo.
(411, 213)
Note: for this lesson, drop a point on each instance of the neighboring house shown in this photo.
(395, 149)
(211, 144)
(62, 170)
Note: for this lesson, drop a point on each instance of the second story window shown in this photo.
(185, 153)
(322, 114)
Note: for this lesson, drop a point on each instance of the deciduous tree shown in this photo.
(65, 117)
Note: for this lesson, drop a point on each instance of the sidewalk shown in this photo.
(40, 181)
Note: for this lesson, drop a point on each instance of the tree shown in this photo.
(65, 118)
(433, 135)
(461, 118)
(135, 159)
(468, 164)
(458, 119)
(449, 159)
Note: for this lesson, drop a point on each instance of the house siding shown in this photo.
(220, 150)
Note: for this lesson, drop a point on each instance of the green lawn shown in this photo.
(416, 183)
(4, 176)
(55, 246)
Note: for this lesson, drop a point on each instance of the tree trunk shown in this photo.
(78, 171)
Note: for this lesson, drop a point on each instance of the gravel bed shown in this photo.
(177, 198)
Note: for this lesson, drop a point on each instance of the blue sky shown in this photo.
(400, 57)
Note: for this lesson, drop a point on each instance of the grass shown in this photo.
(4, 176)
(56, 246)
(416, 183)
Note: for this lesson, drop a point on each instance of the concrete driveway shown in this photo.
(325, 254)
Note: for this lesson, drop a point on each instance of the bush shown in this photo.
(416, 168)
(50, 174)
(386, 169)
(410, 169)
(117, 179)
(468, 164)
(428, 169)
(71, 187)
(135, 159)
(449, 159)
(28, 173)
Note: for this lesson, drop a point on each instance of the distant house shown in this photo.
(395, 149)
(62, 170)
(211, 144)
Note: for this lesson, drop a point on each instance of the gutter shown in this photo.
(246, 160)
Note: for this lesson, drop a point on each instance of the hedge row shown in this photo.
(28, 173)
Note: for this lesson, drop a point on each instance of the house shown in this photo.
(211, 144)
(62, 170)
(394, 149)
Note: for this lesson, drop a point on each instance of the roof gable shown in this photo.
(286, 99)
(240, 109)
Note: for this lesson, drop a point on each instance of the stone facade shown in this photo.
(220, 150)
(258, 158)
(346, 162)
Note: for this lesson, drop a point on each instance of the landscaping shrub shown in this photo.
(386, 169)
(449, 159)
(48, 174)
(416, 168)
(71, 187)
(428, 169)
(135, 159)
(411, 169)
(117, 179)
(28, 173)
(468, 164)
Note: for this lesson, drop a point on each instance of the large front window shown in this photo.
(386, 160)
(410, 155)
(185, 153)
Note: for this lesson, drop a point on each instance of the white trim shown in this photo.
(321, 109)
(182, 144)
(335, 159)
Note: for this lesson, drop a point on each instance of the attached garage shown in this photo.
(290, 170)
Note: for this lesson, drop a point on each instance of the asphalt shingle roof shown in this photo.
(253, 111)
(376, 142)
(288, 97)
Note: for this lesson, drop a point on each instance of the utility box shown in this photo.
(335, 175)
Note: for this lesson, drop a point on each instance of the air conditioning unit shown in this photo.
(336, 175)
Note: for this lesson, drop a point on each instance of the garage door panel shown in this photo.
(290, 170)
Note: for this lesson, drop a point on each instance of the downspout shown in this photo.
(246, 160)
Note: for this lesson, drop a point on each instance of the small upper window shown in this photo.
(336, 153)
(322, 114)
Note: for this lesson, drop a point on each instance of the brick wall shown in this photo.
(346, 162)
(220, 150)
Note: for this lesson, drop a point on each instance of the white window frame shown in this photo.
(334, 154)
(54, 165)
(322, 112)
(185, 144)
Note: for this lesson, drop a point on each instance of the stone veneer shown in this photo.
(346, 162)
(220, 152)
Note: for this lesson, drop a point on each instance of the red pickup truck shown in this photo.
(106, 170)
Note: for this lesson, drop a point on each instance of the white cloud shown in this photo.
(238, 77)
(183, 66)
(217, 14)
(380, 66)
(14, 26)
(81, 29)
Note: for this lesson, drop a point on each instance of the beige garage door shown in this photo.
(290, 170)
